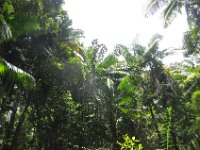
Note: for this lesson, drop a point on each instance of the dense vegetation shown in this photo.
(56, 94)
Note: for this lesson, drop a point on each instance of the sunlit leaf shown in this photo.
(19, 75)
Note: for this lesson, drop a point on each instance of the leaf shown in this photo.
(153, 44)
(11, 17)
(154, 5)
(5, 30)
(3, 68)
(126, 85)
(26, 79)
(17, 74)
(1, 18)
(170, 13)
(8, 8)
(130, 143)
(109, 61)
(23, 24)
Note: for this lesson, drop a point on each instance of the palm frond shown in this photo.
(18, 75)
(170, 13)
(23, 24)
(154, 5)
(5, 31)
(154, 42)
(152, 49)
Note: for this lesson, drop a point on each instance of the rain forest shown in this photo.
(58, 94)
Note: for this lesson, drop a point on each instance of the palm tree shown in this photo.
(174, 7)
(151, 86)
(170, 10)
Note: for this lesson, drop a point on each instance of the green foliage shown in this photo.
(16, 74)
(166, 130)
(2, 68)
(23, 24)
(195, 101)
(126, 85)
(109, 61)
(193, 106)
(170, 12)
(130, 144)
(6, 14)
(57, 94)
(7, 7)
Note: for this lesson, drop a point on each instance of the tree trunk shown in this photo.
(155, 124)
(10, 126)
(174, 140)
(18, 128)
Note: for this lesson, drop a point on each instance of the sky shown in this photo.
(121, 21)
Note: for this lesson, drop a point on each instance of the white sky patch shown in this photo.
(121, 21)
